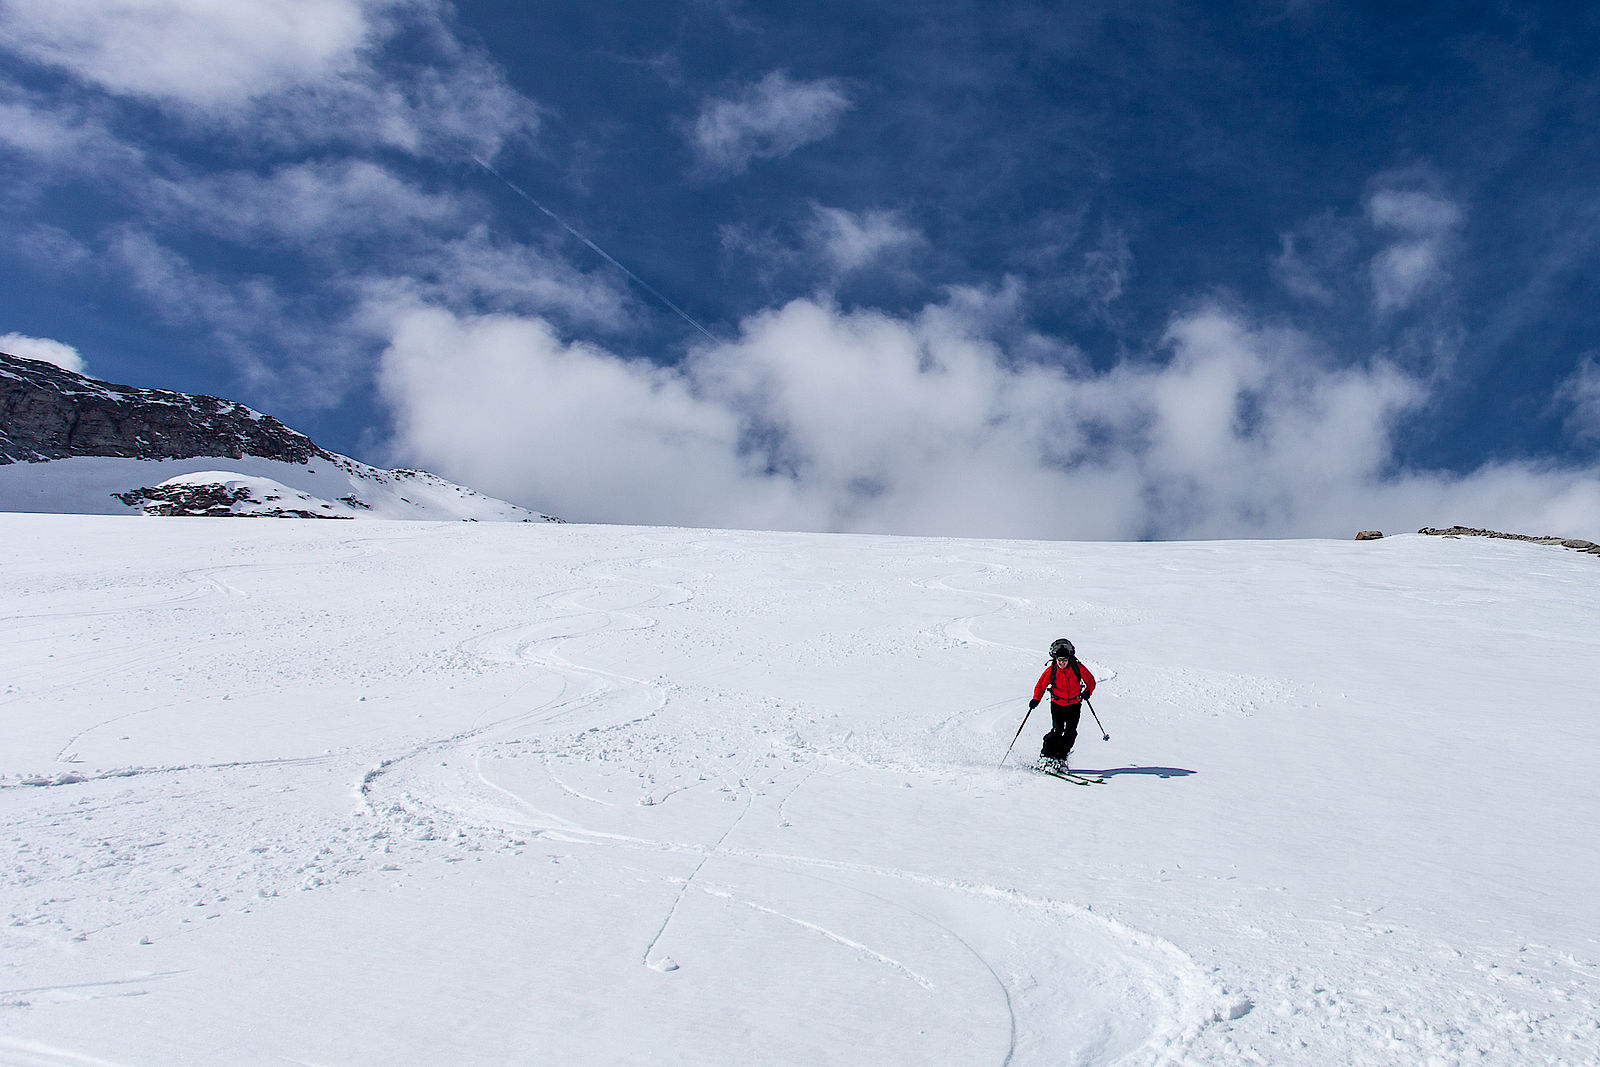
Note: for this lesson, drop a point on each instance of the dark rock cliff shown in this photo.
(50, 413)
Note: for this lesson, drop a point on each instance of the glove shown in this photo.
(1033, 703)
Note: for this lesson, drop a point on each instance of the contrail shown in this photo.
(602, 253)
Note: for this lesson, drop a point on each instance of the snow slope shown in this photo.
(383, 792)
(339, 487)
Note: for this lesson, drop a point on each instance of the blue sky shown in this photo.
(1252, 269)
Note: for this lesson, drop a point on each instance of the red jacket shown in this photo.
(1066, 689)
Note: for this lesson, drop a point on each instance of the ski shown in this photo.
(1069, 776)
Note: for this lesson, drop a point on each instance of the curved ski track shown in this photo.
(445, 786)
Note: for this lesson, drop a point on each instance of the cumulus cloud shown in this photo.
(508, 399)
(767, 120)
(1421, 226)
(823, 419)
(43, 349)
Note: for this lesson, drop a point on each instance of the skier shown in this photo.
(1070, 683)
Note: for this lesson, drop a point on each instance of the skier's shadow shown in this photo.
(1157, 772)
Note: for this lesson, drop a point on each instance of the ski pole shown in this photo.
(1103, 735)
(1014, 739)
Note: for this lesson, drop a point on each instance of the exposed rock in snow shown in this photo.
(220, 493)
(1468, 531)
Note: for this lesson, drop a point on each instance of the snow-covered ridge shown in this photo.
(71, 444)
(224, 493)
(332, 487)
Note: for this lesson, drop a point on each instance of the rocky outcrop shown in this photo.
(1577, 544)
(49, 413)
(213, 500)
(1369, 535)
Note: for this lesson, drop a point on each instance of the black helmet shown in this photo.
(1062, 647)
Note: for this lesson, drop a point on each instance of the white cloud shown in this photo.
(817, 418)
(284, 73)
(1247, 429)
(848, 240)
(1422, 226)
(62, 134)
(453, 105)
(1295, 271)
(182, 294)
(1104, 272)
(50, 250)
(314, 82)
(1401, 272)
(1413, 212)
(477, 272)
(1580, 394)
(43, 349)
(302, 344)
(203, 53)
(766, 121)
(1406, 235)
(30, 130)
(285, 346)
(505, 398)
(307, 204)
(826, 248)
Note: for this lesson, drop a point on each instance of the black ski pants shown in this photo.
(1063, 730)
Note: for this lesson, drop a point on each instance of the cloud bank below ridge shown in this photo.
(816, 418)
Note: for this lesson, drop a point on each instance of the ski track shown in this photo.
(197, 585)
(960, 631)
(1176, 998)
(1165, 983)
(438, 798)
(15, 1052)
(713, 890)
(244, 853)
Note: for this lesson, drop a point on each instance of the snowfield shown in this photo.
(446, 793)
(335, 487)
